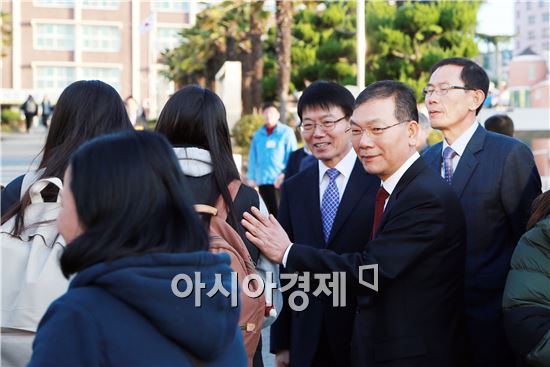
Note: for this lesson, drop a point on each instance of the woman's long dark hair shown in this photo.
(540, 209)
(131, 199)
(85, 109)
(196, 116)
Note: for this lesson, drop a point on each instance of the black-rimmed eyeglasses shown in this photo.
(326, 125)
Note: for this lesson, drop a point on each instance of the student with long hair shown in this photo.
(194, 121)
(85, 109)
(132, 233)
(527, 293)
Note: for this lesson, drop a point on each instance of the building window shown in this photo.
(531, 35)
(54, 78)
(545, 17)
(541, 3)
(531, 19)
(546, 46)
(171, 5)
(167, 38)
(101, 4)
(528, 5)
(545, 33)
(530, 72)
(111, 76)
(100, 38)
(54, 37)
(54, 3)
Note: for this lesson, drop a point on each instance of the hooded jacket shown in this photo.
(125, 313)
(527, 297)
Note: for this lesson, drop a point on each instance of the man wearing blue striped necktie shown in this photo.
(327, 205)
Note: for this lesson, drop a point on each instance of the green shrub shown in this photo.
(10, 116)
(245, 128)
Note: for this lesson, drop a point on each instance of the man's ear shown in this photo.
(478, 97)
(413, 129)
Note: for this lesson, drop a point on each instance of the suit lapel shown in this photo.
(357, 184)
(468, 162)
(433, 157)
(409, 175)
(310, 200)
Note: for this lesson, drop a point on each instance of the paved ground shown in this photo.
(18, 152)
(269, 359)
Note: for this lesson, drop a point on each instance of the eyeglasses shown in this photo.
(442, 89)
(357, 132)
(326, 125)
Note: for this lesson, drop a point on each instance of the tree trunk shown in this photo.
(246, 84)
(283, 16)
(256, 53)
(231, 42)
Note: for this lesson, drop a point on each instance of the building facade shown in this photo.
(532, 26)
(528, 80)
(56, 42)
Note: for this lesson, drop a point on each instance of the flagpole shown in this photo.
(361, 44)
(152, 66)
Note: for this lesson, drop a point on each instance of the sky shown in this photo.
(496, 17)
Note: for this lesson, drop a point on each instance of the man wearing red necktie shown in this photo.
(414, 318)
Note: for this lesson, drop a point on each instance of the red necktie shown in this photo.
(381, 197)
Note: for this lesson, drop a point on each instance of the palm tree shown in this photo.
(257, 25)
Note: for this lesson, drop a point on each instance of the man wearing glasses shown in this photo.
(496, 180)
(329, 205)
(413, 316)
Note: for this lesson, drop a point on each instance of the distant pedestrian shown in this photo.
(30, 109)
(269, 151)
(501, 124)
(47, 109)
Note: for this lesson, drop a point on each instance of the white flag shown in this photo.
(148, 23)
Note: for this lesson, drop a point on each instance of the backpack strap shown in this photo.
(233, 188)
(205, 209)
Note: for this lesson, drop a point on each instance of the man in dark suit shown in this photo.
(496, 180)
(414, 318)
(298, 161)
(321, 334)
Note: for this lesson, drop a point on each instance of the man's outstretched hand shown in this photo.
(266, 234)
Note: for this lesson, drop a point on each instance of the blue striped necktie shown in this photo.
(330, 202)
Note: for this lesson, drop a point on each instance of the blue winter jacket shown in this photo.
(269, 153)
(124, 313)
